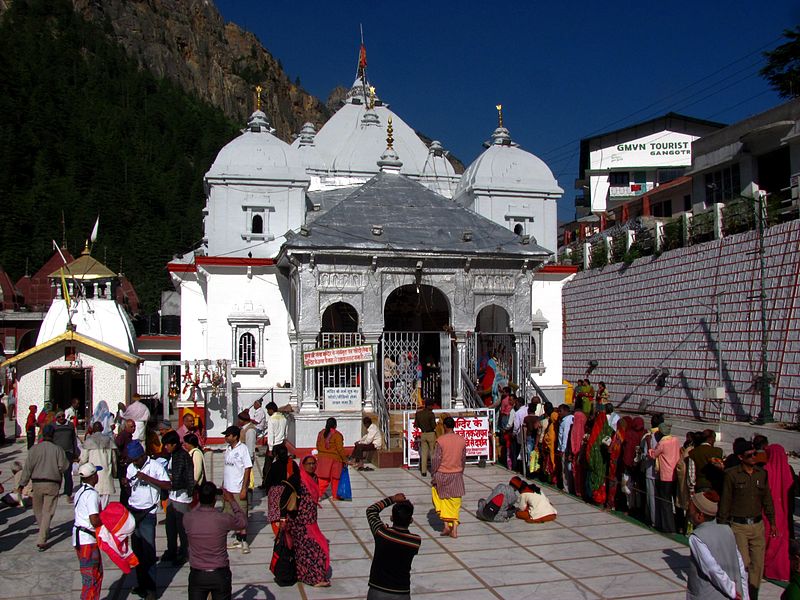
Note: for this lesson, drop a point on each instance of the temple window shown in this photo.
(247, 350)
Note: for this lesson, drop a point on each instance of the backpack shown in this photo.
(282, 565)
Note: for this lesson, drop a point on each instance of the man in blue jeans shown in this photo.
(146, 478)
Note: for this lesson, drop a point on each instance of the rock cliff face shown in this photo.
(188, 42)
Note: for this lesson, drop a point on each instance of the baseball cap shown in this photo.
(88, 469)
(232, 430)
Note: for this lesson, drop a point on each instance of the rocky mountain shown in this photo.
(188, 42)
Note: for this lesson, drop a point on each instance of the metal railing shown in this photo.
(380, 408)
(539, 391)
(471, 397)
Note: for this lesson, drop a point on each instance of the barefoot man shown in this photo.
(447, 467)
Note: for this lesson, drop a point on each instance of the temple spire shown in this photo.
(390, 162)
(258, 97)
(499, 108)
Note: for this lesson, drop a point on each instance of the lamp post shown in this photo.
(759, 197)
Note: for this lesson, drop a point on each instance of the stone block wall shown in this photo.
(660, 313)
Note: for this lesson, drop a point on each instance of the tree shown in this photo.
(782, 70)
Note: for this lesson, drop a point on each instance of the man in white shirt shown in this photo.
(372, 440)
(71, 414)
(611, 416)
(146, 478)
(236, 480)
(276, 426)
(259, 417)
(138, 412)
(87, 520)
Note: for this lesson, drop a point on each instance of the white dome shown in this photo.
(101, 319)
(505, 166)
(257, 154)
(354, 138)
(306, 146)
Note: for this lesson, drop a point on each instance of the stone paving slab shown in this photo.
(585, 554)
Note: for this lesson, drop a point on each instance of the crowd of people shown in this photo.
(587, 449)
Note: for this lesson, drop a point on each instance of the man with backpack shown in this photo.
(181, 471)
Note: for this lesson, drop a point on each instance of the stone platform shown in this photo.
(585, 554)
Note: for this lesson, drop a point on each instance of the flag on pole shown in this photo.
(362, 58)
(64, 288)
(61, 254)
(93, 237)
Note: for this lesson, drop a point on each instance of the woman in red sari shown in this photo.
(615, 464)
(575, 445)
(781, 479)
(311, 552)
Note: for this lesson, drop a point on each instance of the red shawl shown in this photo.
(578, 431)
(633, 437)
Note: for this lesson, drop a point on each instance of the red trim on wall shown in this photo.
(558, 269)
(156, 338)
(233, 261)
(181, 268)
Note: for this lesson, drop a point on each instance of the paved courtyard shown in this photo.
(587, 553)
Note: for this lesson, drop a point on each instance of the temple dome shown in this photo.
(506, 166)
(257, 154)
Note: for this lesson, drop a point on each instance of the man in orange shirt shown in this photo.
(447, 468)
(667, 453)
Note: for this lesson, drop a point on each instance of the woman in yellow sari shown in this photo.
(549, 447)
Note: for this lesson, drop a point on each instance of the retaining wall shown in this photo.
(659, 313)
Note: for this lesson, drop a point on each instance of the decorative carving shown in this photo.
(342, 282)
(501, 285)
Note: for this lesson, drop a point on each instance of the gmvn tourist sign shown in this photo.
(337, 356)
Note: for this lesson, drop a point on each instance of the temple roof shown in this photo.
(85, 268)
(408, 217)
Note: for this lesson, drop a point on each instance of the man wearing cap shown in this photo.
(236, 481)
(146, 478)
(44, 467)
(64, 436)
(716, 570)
(84, 537)
(745, 498)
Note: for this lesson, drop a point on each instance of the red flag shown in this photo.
(362, 58)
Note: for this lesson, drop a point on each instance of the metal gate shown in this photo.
(503, 348)
(400, 360)
(339, 376)
(446, 370)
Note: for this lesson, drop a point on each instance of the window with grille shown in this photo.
(247, 350)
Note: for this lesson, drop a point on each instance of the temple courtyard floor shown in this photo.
(586, 553)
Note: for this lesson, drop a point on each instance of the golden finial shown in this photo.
(258, 97)
(371, 97)
(499, 108)
(389, 132)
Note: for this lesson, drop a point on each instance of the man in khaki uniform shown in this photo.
(745, 497)
(425, 419)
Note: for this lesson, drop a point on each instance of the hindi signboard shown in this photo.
(475, 427)
(337, 356)
(342, 399)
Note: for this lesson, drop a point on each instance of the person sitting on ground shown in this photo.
(532, 505)
(16, 498)
(371, 440)
(499, 506)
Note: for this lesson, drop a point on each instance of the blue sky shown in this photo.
(562, 70)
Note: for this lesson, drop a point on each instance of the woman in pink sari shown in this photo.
(312, 555)
(780, 479)
(575, 445)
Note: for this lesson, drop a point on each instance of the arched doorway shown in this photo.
(339, 330)
(416, 347)
(493, 354)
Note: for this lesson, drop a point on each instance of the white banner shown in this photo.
(663, 149)
(475, 427)
(337, 356)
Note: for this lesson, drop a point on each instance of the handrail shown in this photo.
(471, 397)
(539, 391)
(380, 408)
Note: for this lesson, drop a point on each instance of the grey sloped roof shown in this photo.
(326, 199)
(413, 219)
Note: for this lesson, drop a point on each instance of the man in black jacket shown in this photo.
(64, 436)
(181, 472)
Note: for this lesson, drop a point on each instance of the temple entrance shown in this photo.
(339, 330)
(62, 385)
(493, 355)
(416, 348)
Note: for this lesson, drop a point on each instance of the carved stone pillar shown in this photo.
(459, 361)
(307, 393)
(261, 342)
(369, 370)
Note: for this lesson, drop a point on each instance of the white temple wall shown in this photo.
(659, 313)
(194, 315)
(546, 297)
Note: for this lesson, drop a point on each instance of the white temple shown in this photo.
(359, 235)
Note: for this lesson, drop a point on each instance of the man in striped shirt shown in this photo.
(395, 549)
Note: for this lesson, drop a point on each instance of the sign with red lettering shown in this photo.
(337, 356)
(475, 428)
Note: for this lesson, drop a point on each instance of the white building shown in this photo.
(359, 235)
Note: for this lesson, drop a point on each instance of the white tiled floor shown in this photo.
(586, 554)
